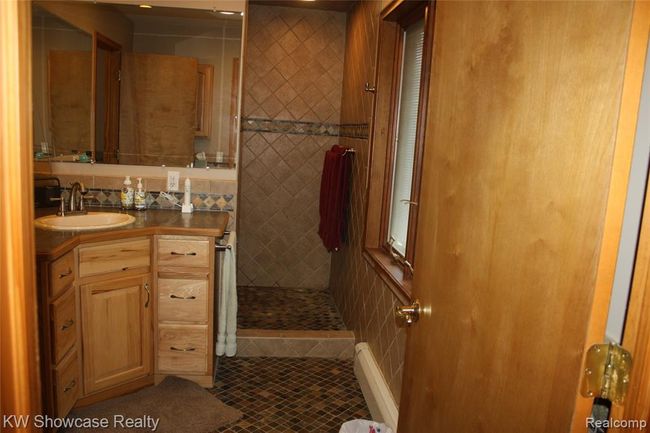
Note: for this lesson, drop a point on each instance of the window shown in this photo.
(403, 67)
(404, 146)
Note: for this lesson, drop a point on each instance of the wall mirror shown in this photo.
(121, 84)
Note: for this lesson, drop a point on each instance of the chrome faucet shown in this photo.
(77, 196)
(77, 193)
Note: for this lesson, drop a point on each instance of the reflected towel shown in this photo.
(227, 323)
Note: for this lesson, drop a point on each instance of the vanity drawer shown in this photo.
(120, 256)
(67, 384)
(183, 251)
(183, 349)
(182, 300)
(64, 324)
(62, 274)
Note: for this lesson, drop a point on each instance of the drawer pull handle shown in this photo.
(65, 274)
(176, 349)
(67, 324)
(146, 288)
(182, 297)
(70, 386)
(174, 253)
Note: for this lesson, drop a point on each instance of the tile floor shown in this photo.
(287, 309)
(289, 394)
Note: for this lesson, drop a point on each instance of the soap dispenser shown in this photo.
(126, 197)
(140, 202)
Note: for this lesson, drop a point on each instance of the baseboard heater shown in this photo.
(375, 389)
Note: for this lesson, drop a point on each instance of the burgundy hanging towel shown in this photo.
(334, 197)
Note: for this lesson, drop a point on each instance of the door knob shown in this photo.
(408, 313)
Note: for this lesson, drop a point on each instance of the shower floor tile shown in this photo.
(289, 394)
(287, 309)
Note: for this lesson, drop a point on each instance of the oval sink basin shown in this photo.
(90, 221)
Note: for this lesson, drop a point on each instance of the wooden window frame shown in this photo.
(394, 19)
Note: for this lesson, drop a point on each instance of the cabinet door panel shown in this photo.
(66, 384)
(182, 300)
(63, 314)
(183, 349)
(117, 324)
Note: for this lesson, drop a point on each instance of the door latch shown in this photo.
(607, 372)
(409, 314)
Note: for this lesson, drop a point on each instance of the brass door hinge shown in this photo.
(607, 372)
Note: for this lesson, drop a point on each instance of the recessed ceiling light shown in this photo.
(226, 13)
(146, 6)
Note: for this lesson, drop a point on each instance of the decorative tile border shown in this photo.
(202, 201)
(351, 130)
(290, 127)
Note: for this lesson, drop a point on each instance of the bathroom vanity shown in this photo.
(122, 308)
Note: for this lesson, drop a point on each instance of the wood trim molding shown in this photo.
(383, 136)
(20, 382)
(624, 145)
(637, 330)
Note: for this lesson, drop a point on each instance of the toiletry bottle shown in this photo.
(140, 203)
(187, 198)
(126, 197)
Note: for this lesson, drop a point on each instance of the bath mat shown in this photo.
(174, 405)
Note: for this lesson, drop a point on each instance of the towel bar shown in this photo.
(222, 247)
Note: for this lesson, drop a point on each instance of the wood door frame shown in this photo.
(21, 388)
(111, 96)
(624, 146)
(636, 337)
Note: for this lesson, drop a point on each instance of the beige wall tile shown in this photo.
(363, 299)
(294, 71)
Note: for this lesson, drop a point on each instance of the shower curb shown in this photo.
(295, 343)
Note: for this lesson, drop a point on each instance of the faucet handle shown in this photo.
(84, 196)
(61, 199)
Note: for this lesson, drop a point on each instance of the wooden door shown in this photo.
(117, 328)
(526, 160)
(20, 386)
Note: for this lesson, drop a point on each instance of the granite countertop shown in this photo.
(51, 244)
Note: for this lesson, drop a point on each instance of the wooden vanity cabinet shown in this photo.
(118, 315)
(60, 336)
(184, 304)
(116, 312)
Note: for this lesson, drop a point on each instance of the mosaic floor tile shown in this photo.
(289, 394)
(287, 309)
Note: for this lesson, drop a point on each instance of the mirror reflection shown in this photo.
(62, 75)
(150, 86)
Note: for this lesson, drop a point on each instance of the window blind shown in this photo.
(404, 156)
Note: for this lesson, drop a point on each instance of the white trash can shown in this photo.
(364, 426)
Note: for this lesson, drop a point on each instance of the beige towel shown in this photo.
(227, 321)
